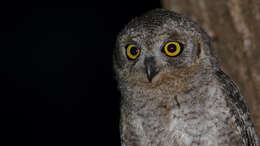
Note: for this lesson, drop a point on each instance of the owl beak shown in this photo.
(150, 68)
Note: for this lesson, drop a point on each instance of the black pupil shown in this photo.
(134, 51)
(171, 48)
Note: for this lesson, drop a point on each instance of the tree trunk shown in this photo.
(234, 27)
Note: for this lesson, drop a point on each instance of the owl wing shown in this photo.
(238, 109)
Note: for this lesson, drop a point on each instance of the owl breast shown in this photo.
(199, 117)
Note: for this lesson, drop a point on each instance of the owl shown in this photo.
(173, 90)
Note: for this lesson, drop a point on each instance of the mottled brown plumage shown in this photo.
(177, 101)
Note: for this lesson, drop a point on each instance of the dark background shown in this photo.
(57, 85)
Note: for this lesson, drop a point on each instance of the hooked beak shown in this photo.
(150, 68)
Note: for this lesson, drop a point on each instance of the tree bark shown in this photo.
(234, 27)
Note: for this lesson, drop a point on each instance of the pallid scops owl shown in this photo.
(173, 90)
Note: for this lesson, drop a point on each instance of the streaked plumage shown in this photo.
(181, 100)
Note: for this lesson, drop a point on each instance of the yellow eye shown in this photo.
(173, 49)
(132, 52)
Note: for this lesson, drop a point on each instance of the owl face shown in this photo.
(154, 44)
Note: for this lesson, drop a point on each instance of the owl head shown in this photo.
(161, 43)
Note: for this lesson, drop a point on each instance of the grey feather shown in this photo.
(176, 101)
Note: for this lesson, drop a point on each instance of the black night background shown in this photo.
(57, 85)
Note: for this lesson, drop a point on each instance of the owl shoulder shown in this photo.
(238, 109)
